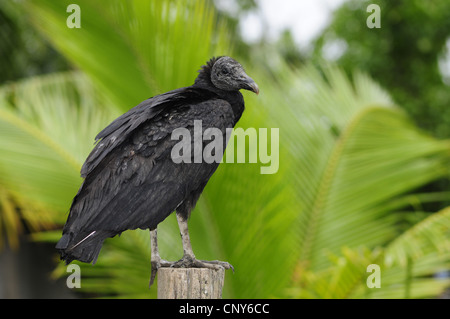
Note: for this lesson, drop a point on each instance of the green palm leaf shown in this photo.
(407, 266)
(411, 261)
(46, 125)
(432, 235)
(355, 159)
(355, 155)
(41, 153)
(134, 49)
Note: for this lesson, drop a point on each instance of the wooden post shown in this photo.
(190, 283)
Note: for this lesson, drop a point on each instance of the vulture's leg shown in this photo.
(189, 260)
(156, 260)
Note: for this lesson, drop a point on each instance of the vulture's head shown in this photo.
(227, 74)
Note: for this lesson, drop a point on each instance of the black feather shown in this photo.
(130, 180)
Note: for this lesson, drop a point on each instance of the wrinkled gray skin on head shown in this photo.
(227, 74)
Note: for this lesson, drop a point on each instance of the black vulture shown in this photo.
(130, 178)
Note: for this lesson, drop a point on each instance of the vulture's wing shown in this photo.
(121, 128)
(136, 184)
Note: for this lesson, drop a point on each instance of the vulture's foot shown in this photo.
(192, 262)
(156, 264)
(187, 262)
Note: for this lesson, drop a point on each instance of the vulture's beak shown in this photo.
(249, 84)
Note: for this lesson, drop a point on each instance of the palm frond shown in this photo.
(17, 214)
(134, 49)
(348, 275)
(47, 124)
(430, 235)
(353, 153)
(407, 266)
(10, 224)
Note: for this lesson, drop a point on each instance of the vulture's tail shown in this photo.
(83, 246)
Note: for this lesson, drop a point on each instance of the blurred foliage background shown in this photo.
(364, 145)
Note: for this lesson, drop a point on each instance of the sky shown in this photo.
(305, 18)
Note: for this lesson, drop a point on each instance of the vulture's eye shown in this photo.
(225, 71)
